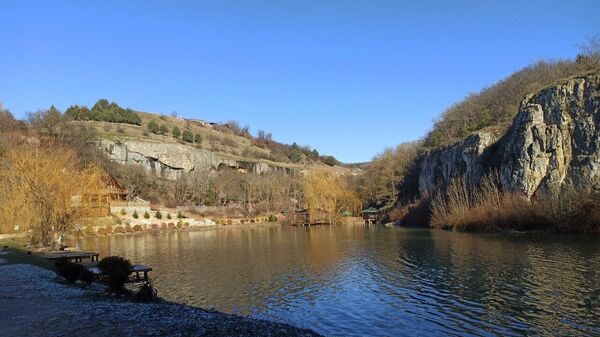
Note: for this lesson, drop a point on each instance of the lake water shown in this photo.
(377, 281)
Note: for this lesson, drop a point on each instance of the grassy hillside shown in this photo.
(494, 107)
(228, 139)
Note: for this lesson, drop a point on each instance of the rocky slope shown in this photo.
(170, 160)
(553, 144)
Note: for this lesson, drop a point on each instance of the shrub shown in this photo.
(146, 293)
(169, 216)
(135, 215)
(179, 215)
(156, 226)
(86, 276)
(128, 228)
(146, 215)
(176, 132)
(186, 224)
(123, 212)
(101, 231)
(119, 229)
(167, 226)
(242, 221)
(229, 222)
(252, 221)
(153, 127)
(164, 129)
(68, 270)
(158, 215)
(198, 139)
(109, 229)
(272, 218)
(172, 225)
(179, 224)
(116, 272)
(187, 136)
(138, 228)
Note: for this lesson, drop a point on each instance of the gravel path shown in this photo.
(34, 303)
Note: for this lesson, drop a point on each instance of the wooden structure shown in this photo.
(74, 256)
(296, 218)
(370, 215)
(99, 201)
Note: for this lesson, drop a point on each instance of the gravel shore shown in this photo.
(35, 303)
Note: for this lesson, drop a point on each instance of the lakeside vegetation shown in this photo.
(391, 181)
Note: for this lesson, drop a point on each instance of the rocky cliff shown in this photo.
(169, 160)
(552, 144)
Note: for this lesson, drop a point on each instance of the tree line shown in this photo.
(103, 111)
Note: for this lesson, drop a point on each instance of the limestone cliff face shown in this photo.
(553, 144)
(169, 161)
(465, 158)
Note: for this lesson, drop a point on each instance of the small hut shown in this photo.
(296, 217)
(370, 215)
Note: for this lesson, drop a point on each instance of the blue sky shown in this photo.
(346, 77)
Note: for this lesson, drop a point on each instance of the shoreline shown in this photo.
(62, 309)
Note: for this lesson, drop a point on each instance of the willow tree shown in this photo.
(327, 195)
(42, 189)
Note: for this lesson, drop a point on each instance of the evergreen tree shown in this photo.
(176, 132)
(153, 127)
(164, 129)
(188, 136)
(295, 154)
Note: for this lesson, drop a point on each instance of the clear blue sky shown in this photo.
(346, 77)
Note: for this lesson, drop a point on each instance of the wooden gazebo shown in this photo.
(370, 215)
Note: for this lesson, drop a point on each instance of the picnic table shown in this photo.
(140, 271)
(76, 256)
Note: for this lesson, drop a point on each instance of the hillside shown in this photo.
(179, 144)
(493, 108)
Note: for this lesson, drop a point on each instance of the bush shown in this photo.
(164, 129)
(89, 230)
(109, 229)
(176, 132)
(138, 228)
(116, 271)
(229, 222)
(179, 215)
(135, 215)
(187, 136)
(242, 221)
(146, 294)
(123, 212)
(72, 272)
(119, 230)
(153, 127)
(158, 215)
(272, 218)
(186, 224)
(167, 226)
(172, 225)
(169, 216)
(252, 221)
(179, 224)
(146, 215)
(198, 139)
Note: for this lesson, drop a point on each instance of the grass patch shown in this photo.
(18, 254)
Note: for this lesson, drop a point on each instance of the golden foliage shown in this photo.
(327, 195)
(41, 188)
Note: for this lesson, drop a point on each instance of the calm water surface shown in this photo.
(357, 281)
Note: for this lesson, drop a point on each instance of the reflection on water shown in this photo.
(352, 280)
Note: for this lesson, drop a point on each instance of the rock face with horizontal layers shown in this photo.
(169, 161)
(554, 142)
(464, 158)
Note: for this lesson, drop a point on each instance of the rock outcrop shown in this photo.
(466, 158)
(553, 144)
(169, 161)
